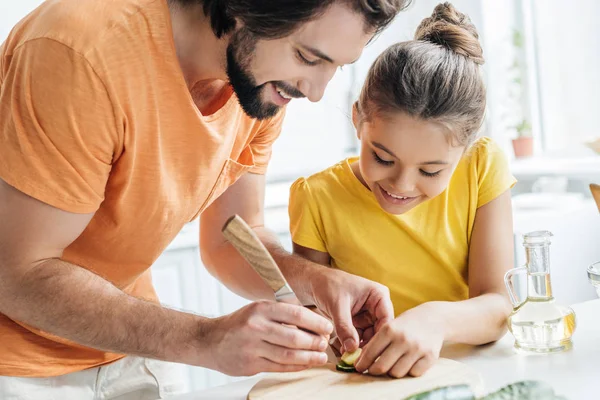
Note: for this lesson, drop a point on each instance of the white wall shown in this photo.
(12, 11)
(315, 135)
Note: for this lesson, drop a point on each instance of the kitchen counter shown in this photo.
(573, 374)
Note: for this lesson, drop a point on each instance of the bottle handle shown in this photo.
(510, 285)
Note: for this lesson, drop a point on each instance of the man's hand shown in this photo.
(339, 296)
(357, 306)
(262, 337)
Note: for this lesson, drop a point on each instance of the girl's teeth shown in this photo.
(396, 197)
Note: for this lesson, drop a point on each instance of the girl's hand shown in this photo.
(407, 345)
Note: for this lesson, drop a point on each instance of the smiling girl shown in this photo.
(426, 208)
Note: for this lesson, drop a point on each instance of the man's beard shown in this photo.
(239, 57)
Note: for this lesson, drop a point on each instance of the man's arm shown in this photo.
(246, 198)
(37, 288)
(338, 295)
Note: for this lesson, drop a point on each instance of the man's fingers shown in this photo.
(299, 316)
(286, 356)
(363, 320)
(383, 311)
(266, 365)
(290, 337)
(344, 327)
(368, 335)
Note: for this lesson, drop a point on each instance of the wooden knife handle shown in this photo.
(243, 238)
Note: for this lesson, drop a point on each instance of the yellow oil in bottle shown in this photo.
(539, 324)
(542, 326)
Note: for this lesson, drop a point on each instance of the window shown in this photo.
(566, 42)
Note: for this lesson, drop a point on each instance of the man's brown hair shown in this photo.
(272, 19)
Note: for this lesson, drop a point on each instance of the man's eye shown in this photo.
(305, 60)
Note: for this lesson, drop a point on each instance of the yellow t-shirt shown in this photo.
(420, 255)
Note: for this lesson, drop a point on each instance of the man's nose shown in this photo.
(314, 87)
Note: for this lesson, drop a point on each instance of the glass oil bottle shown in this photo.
(538, 324)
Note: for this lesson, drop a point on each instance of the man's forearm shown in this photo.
(296, 269)
(227, 265)
(475, 321)
(68, 301)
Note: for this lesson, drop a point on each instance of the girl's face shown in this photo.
(404, 160)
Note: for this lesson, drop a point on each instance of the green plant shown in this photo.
(519, 122)
(523, 128)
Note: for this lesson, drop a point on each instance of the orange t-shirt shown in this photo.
(95, 116)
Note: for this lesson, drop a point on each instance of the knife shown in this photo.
(245, 241)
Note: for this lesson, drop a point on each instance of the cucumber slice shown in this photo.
(524, 390)
(341, 366)
(350, 358)
(454, 392)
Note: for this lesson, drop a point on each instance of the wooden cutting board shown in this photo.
(326, 383)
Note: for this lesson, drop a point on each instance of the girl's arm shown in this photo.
(411, 343)
(482, 318)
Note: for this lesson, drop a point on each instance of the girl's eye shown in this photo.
(305, 60)
(430, 174)
(381, 160)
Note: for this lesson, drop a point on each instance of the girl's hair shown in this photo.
(434, 77)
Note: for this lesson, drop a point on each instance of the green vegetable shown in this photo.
(524, 390)
(454, 392)
(346, 364)
(342, 366)
(350, 358)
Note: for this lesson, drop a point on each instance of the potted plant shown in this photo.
(519, 123)
(523, 143)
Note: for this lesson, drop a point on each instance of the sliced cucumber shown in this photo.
(350, 358)
(524, 390)
(454, 392)
(342, 366)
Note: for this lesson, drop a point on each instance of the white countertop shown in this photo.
(573, 374)
(578, 166)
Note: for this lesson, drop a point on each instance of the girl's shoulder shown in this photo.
(331, 180)
(482, 148)
(483, 155)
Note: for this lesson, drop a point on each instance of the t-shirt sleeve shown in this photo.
(262, 144)
(306, 226)
(493, 172)
(58, 131)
